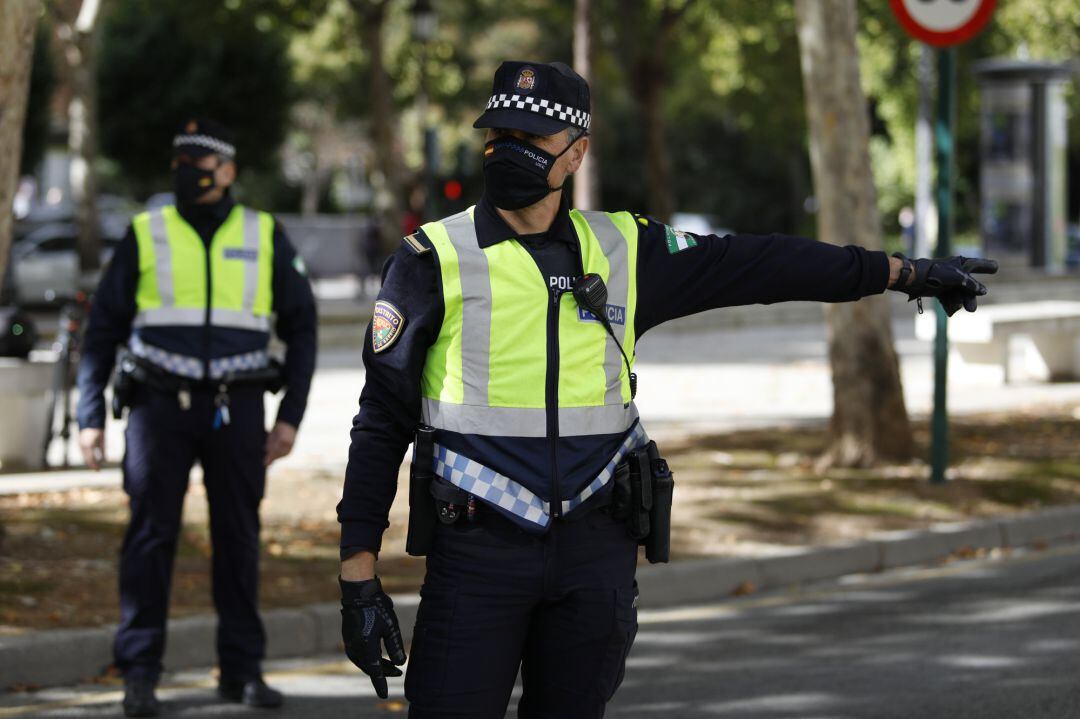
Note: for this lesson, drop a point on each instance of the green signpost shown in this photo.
(943, 157)
(943, 24)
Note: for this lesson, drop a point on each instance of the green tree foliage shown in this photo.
(732, 99)
(165, 60)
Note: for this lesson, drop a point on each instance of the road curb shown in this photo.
(70, 655)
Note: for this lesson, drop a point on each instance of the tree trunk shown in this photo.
(869, 421)
(79, 39)
(657, 165)
(18, 18)
(644, 36)
(586, 185)
(372, 15)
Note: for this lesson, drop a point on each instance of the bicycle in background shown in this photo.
(68, 342)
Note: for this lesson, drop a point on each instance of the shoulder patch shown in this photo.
(386, 325)
(677, 240)
(414, 245)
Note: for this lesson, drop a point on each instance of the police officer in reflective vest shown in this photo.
(494, 333)
(192, 293)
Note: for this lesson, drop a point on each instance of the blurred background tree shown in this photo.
(166, 60)
(18, 20)
(42, 82)
(698, 104)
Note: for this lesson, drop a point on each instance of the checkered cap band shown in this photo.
(211, 143)
(506, 494)
(554, 110)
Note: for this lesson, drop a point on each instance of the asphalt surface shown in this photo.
(992, 639)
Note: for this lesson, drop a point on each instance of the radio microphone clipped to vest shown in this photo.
(590, 293)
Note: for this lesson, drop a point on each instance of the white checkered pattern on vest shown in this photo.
(501, 491)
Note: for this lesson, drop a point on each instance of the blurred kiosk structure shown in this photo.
(1023, 164)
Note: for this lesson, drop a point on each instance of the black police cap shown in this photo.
(201, 136)
(538, 98)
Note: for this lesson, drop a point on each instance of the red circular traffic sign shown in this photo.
(943, 22)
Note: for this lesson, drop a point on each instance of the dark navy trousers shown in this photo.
(561, 607)
(163, 441)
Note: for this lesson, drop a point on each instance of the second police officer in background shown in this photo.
(493, 333)
(191, 291)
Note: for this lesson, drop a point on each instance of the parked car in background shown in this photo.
(45, 263)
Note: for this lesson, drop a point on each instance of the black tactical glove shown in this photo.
(949, 279)
(368, 620)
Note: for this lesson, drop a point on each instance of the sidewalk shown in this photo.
(59, 657)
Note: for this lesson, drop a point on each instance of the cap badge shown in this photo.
(526, 79)
(191, 128)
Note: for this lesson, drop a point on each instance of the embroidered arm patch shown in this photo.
(387, 322)
(677, 240)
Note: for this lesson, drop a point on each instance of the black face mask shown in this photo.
(190, 183)
(516, 172)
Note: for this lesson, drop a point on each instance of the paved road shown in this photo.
(993, 639)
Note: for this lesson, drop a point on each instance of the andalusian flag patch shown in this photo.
(386, 325)
(677, 240)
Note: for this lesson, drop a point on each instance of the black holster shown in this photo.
(641, 497)
(422, 516)
(123, 385)
(658, 543)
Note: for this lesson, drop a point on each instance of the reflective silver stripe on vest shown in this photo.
(162, 258)
(501, 491)
(195, 317)
(239, 319)
(525, 422)
(476, 308)
(251, 269)
(614, 246)
(166, 316)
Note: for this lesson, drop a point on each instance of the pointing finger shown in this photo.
(980, 265)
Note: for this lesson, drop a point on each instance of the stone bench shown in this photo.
(1031, 340)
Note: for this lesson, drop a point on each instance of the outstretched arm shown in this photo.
(681, 273)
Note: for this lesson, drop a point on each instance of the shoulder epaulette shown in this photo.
(413, 244)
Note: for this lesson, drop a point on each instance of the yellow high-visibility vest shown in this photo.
(487, 372)
(175, 267)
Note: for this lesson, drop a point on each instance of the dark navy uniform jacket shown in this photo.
(713, 272)
(113, 311)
